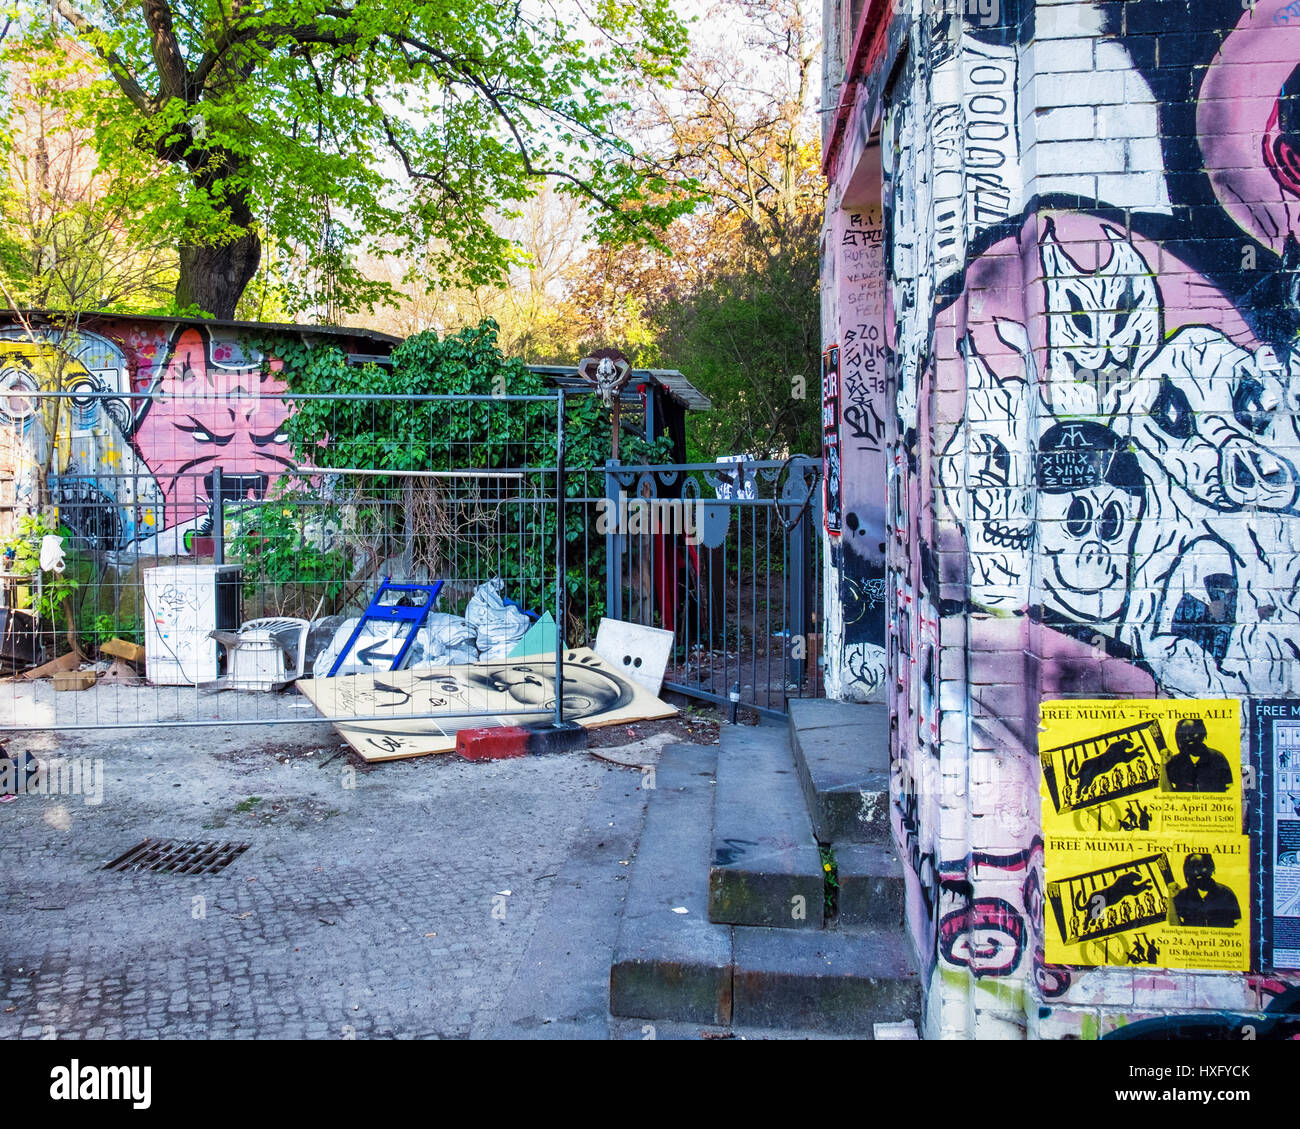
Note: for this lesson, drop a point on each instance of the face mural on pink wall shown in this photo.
(210, 408)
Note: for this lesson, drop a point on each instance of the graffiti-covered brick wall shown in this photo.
(127, 418)
(1072, 480)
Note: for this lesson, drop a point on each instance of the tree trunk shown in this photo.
(214, 278)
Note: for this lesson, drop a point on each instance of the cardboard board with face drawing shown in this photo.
(411, 713)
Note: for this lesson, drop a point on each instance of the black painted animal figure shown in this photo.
(1117, 753)
(1126, 885)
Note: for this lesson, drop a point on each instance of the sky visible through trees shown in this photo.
(232, 174)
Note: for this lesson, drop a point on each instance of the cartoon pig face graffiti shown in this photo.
(1204, 412)
(1090, 499)
(205, 415)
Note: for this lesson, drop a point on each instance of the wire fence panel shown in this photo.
(188, 515)
(202, 508)
(728, 559)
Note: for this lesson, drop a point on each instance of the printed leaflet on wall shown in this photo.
(1146, 861)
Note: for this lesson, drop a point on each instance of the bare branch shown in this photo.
(117, 67)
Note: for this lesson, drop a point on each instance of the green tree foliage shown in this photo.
(465, 422)
(735, 304)
(326, 126)
(70, 236)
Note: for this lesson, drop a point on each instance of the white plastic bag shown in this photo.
(443, 640)
(499, 625)
(52, 553)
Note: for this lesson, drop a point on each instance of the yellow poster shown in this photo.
(1142, 826)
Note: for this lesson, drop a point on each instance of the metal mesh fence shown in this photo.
(184, 517)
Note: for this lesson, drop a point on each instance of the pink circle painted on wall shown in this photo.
(1248, 123)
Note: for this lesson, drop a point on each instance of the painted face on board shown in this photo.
(204, 415)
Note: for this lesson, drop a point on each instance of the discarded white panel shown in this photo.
(637, 652)
(184, 604)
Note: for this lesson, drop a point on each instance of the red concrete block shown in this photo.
(492, 744)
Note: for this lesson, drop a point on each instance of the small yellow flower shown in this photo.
(826, 867)
(287, 513)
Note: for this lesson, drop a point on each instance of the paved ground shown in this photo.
(414, 899)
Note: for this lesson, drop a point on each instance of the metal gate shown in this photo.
(203, 520)
(727, 556)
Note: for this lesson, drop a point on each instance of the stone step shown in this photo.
(832, 982)
(766, 869)
(871, 891)
(841, 751)
(667, 964)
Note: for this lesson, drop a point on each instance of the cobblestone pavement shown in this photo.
(393, 900)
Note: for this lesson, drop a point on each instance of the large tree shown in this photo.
(737, 305)
(327, 126)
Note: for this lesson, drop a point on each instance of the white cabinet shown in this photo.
(183, 604)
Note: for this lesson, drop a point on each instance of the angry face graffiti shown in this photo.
(203, 414)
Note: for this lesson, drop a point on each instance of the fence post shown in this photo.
(561, 573)
(613, 545)
(797, 579)
(218, 518)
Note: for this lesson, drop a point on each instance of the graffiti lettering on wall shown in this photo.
(863, 355)
(832, 486)
(138, 469)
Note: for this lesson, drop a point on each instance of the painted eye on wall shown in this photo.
(1172, 412)
(1082, 322)
(1078, 519)
(1248, 406)
(1111, 522)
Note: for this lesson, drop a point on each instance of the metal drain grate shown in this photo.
(178, 856)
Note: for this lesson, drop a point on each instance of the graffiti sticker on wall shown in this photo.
(1144, 852)
(833, 507)
(1277, 751)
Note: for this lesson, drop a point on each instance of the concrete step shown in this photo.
(871, 891)
(766, 869)
(667, 964)
(841, 751)
(832, 982)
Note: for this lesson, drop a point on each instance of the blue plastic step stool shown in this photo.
(415, 615)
